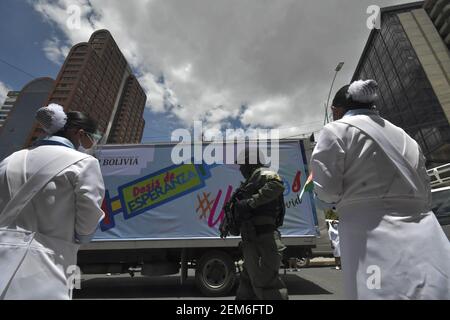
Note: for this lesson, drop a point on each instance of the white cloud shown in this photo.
(4, 89)
(182, 73)
(54, 51)
(252, 114)
(155, 92)
(58, 13)
(275, 57)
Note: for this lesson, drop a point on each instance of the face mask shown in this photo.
(90, 151)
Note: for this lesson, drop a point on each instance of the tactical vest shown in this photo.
(271, 213)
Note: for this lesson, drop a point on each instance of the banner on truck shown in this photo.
(148, 197)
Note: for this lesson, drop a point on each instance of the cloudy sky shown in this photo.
(230, 63)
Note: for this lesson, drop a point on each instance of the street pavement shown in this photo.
(321, 281)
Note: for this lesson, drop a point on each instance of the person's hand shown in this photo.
(223, 230)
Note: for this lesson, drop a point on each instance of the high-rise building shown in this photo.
(96, 79)
(21, 116)
(409, 58)
(7, 106)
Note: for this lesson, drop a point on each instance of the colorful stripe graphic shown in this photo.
(154, 190)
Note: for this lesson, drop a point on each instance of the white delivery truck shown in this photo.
(163, 218)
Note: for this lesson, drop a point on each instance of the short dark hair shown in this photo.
(78, 120)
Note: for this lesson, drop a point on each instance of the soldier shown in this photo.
(260, 207)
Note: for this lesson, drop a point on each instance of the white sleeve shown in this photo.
(89, 193)
(327, 163)
(4, 189)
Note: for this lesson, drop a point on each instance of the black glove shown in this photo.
(223, 229)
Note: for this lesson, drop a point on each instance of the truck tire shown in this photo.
(303, 262)
(215, 274)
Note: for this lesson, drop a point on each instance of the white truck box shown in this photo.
(162, 217)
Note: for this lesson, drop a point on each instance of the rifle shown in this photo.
(231, 223)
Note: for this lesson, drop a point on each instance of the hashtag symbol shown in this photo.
(204, 204)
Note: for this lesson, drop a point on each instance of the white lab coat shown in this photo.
(66, 211)
(334, 238)
(392, 246)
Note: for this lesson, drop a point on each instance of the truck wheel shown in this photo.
(303, 262)
(215, 274)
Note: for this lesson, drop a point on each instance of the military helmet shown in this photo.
(251, 156)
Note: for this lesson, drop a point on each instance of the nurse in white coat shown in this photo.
(333, 234)
(392, 246)
(64, 214)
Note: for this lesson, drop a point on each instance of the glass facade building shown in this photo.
(407, 97)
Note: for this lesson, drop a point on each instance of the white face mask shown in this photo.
(90, 151)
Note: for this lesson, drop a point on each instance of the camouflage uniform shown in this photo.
(261, 243)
